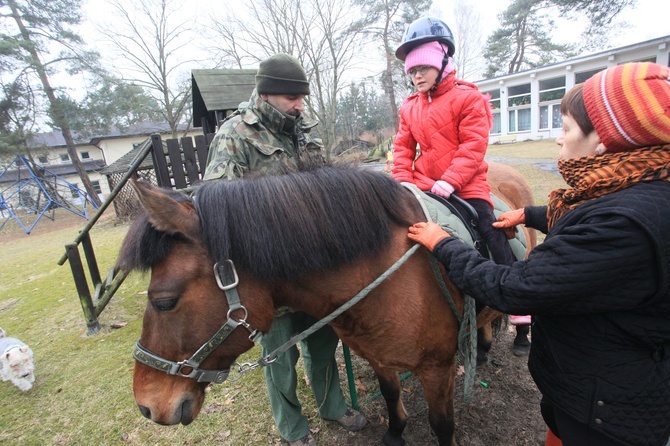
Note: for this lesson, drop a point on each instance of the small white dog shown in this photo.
(16, 362)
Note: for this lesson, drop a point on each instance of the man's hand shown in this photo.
(508, 222)
(428, 234)
(442, 188)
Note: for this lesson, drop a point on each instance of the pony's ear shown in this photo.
(165, 213)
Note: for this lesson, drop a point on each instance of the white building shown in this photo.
(50, 152)
(526, 105)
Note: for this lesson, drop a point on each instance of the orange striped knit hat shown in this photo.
(629, 105)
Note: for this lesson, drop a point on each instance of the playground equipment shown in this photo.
(29, 192)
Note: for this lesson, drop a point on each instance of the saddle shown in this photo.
(468, 215)
(459, 219)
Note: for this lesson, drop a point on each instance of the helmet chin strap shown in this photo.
(445, 61)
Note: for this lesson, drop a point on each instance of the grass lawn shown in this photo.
(83, 389)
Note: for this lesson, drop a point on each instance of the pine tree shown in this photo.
(523, 40)
(39, 41)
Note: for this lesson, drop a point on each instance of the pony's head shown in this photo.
(271, 232)
(185, 306)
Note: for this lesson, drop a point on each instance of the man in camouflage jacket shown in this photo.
(268, 130)
(259, 134)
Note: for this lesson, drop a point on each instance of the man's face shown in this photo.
(289, 104)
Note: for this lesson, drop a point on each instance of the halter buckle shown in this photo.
(222, 279)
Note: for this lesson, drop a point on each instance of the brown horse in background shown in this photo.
(308, 240)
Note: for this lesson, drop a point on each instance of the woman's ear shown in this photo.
(593, 140)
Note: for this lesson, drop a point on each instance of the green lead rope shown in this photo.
(467, 325)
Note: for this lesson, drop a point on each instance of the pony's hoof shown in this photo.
(482, 358)
(392, 440)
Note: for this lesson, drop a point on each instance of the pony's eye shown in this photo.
(164, 304)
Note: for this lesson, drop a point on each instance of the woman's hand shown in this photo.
(508, 222)
(428, 234)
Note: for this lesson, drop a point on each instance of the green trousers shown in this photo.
(318, 353)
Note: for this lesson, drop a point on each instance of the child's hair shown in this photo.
(572, 104)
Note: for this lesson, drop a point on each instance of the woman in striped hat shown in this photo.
(598, 287)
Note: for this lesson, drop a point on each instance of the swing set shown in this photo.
(29, 192)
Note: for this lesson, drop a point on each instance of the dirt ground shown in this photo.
(504, 410)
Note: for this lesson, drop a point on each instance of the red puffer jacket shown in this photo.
(451, 127)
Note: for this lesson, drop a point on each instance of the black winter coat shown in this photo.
(598, 288)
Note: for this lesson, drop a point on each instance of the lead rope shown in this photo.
(272, 357)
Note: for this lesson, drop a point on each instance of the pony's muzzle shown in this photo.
(183, 414)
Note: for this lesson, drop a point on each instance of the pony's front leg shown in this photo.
(389, 385)
(438, 387)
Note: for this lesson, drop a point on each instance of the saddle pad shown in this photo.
(440, 214)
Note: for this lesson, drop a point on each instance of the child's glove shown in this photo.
(442, 188)
(428, 234)
(508, 222)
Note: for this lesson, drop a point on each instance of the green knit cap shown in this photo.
(281, 74)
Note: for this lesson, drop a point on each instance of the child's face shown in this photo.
(423, 77)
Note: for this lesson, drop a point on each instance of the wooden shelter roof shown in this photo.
(217, 92)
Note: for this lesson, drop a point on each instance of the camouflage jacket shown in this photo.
(256, 137)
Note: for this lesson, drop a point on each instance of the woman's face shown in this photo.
(574, 143)
(423, 77)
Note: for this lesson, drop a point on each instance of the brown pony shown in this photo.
(222, 262)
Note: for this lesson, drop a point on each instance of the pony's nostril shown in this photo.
(145, 411)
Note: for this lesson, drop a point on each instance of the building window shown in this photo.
(497, 123)
(495, 110)
(518, 103)
(552, 89)
(96, 186)
(584, 75)
(43, 159)
(518, 95)
(519, 119)
(85, 155)
(64, 157)
(651, 59)
(550, 114)
(551, 93)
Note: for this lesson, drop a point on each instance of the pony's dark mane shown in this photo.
(289, 225)
(143, 245)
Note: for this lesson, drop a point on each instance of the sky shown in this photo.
(648, 20)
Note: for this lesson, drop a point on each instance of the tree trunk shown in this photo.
(54, 110)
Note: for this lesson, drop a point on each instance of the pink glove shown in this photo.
(442, 188)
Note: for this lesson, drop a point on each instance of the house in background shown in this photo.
(50, 152)
(526, 105)
(216, 94)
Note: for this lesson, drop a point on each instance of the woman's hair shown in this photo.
(572, 104)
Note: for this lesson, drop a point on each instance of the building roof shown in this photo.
(219, 90)
(123, 164)
(56, 139)
(584, 57)
(62, 170)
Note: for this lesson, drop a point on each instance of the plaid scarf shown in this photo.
(594, 176)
